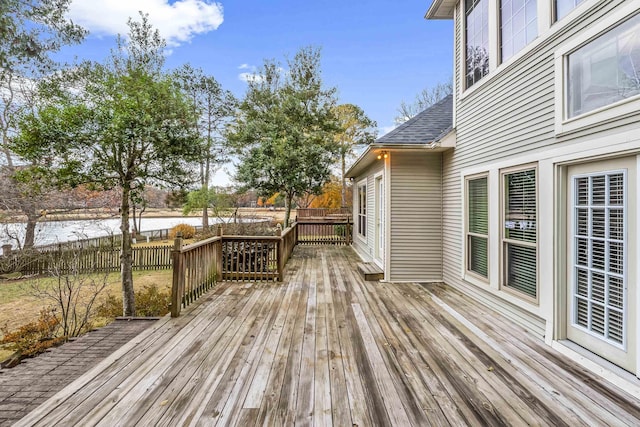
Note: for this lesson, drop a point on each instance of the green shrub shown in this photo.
(188, 231)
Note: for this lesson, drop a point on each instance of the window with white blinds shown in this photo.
(519, 236)
(477, 226)
(362, 209)
(599, 295)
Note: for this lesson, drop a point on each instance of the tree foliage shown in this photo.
(425, 99)
(356, 130)
(30, 31)
(127, 125)
(284, 131)
(212, 108)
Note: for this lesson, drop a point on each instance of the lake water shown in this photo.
(48, 232)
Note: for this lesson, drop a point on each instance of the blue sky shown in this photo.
(377, 53)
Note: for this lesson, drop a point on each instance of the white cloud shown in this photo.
(386, 129)
(178, 22)
(251, 75)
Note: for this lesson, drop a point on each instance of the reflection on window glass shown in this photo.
(605, 70)
(477, 32)
(518, 25)
(563, 7)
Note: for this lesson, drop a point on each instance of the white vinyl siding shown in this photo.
(510, 114)
(416, 217)
(365, 246)
(599, 288)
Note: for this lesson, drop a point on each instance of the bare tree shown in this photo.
(425, 99)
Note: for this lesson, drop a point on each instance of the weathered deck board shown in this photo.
(325, 347)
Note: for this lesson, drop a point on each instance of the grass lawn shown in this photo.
(18, 306)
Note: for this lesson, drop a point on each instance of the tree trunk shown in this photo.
(126, 274)
(30, 232)
(205, 188)
(344, 184)
(287, 209)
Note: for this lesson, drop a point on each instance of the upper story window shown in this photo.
(605, 70)
(477, 40)
(563, 7)
(518, 26)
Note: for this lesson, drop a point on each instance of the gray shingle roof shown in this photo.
(425, 127)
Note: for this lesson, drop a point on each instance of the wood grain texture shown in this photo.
(325, 347)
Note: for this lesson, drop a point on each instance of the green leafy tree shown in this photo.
(356, 130)
(30, 31)
(128, 125)
(212, 108)
(284, 131)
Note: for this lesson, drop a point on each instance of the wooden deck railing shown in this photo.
(334, 231)
(198, 266)
(322, 212)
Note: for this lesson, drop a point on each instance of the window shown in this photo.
(599, 288)
(518, 26)
(519, 236)
(477, 226)
(362, 209)
(477, 40)
(604, 71)
(563, 7)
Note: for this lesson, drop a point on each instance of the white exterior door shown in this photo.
(602, 270)
(380, 210)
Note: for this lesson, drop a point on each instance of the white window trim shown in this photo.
(603, 114)
(469, 275)
(546, 29)
(503, 286)
(363, 182)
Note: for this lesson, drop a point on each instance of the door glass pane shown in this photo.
(599, 255)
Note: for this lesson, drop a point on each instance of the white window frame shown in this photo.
(467, 234)
(362, 234)
(504, 240)
(629, 106)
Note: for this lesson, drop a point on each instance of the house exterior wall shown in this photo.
(416, 217)
(365, 247)
(508, 119)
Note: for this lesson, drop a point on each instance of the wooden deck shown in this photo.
(327, 348)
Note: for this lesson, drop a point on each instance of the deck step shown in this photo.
(370, 271)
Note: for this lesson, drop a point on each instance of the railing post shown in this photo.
(279, 253)
(218, 249)
(178, 277)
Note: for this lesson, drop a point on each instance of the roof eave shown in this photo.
(441, 9)
(370, 155)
